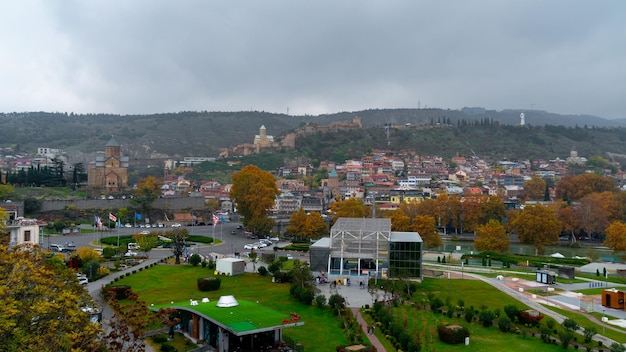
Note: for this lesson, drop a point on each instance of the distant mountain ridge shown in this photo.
(175, 135)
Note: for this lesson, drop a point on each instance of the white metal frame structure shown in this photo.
(359, 238)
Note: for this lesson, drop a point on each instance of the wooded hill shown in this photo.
(488, 134)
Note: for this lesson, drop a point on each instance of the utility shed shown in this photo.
(230, 266)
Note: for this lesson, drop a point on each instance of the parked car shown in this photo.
(251, 246)
(57, 247)
(83, 281)
(128, 225)
(144, 232)
(239, 227)
(176, 225)
(131, 254)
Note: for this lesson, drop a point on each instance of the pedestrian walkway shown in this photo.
(364, 325)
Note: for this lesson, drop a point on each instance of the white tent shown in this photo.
(227, 301)
(557, 255)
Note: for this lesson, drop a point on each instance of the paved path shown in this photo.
(373, 339)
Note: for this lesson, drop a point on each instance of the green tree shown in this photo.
(6, 192)
(537, 225)
(254, 191)
(41, 304)
(146, 242)
(491, 238)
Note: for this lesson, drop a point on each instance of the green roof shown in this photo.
(246, 318)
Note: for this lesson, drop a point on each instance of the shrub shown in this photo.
(452, 334)
(436, 304)
(320, 301)
(167, 347)
(159, 338)
(530, 317)
(486, 317)
(565, 337)
(511, 311)
(262, 271)
(504, 323)
(589, 333)
(195, 259)
(209, 284)
(120, 292)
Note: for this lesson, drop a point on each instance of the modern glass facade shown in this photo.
(405, 259)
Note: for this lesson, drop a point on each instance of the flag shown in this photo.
(112, 217)
(215, 220)
(138, 216)
(119, 222)
(95, 220)
(99, 222)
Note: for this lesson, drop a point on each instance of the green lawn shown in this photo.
(162, 284)
(165, 283)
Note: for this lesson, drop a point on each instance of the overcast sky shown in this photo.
(312, 57)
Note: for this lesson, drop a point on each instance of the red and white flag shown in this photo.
(215, 220)
(112, 217)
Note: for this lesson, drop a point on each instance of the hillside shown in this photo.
(146, 138)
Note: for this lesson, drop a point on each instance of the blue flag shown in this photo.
(138, 216)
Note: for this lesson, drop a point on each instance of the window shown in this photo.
(27, 236)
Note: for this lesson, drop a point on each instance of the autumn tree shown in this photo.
(310, 226)
(492, 237)
(616, 237)
(424, 225)
(574, 187)
(569, 219)
(254, 191)
(535, 188)
(147, 191)
(349, 208)
(492, 208)
(41, 304)
(472, 211)
(146, 242)
(400, 222)
(595, 212)
(537, 225)
(442, 211)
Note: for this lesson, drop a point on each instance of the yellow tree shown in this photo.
(537, 225)
(572, 188)
(455, 207)
(349, 208)
(400, 222)
(491, 237)
(303, 225)
(535, 188)
(41, 304)
(616, 237)
(424, 225)
(254, 192)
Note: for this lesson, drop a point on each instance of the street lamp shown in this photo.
(603, 321)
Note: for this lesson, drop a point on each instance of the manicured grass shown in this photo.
(166, 283)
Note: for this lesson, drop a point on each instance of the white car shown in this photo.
(83, 281)
(251, 246)
(131, 254)
(145, 232)
(57, 247)
(176, 225)
(128, 225)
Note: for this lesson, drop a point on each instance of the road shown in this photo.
(230, 243)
